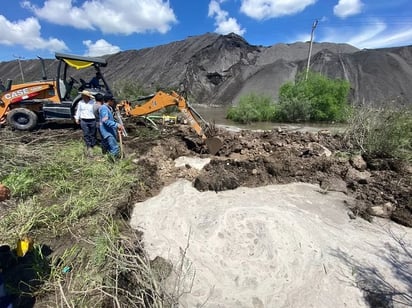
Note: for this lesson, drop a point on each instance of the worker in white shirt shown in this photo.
(86, 118)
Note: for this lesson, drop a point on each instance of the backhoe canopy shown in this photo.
(66, 75)
(79, 62)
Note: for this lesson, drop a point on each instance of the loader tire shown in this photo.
(22, 119)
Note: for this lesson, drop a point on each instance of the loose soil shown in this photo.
(380, 186)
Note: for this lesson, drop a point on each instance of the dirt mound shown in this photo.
(381, 187)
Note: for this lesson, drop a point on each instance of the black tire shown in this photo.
(22, 119)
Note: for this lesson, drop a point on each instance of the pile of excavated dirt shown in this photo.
(379, 187)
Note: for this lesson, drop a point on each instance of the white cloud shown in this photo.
(224, 23)
(109, 16)
(346, 8)
(393, 39)
(264, 9)
(27, 34)
(99, 48)
(376, 34)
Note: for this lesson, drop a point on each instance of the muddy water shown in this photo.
(217, 115)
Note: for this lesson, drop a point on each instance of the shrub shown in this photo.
(381, 133)
(128, 89)
(252, 108)
(316, 98)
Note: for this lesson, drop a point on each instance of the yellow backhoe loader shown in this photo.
(23, 106)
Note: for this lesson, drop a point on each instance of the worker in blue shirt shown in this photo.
(109, 127)
(95, 81)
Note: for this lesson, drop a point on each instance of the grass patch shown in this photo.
(84, 254)
(252, 108)
(61, 197)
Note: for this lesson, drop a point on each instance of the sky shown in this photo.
(32, 28)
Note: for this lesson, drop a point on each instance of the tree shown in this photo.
(316, 98)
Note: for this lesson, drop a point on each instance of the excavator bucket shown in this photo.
(213, 144)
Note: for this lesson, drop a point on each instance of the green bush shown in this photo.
(252, 108)
(316, 98)
(295, 110)
(128, 89)
(381, 132)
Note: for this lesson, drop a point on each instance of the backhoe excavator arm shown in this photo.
(161, 100)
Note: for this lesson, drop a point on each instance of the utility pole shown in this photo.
(315, 23)
(21, 70)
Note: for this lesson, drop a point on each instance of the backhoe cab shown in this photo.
(23, 106)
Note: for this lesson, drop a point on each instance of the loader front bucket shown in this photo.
(213, 144)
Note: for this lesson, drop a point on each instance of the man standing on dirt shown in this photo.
(87, 120)
(109, 127)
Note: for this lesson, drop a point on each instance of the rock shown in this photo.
(384, 211)
(377, 210)
(161, 268)
(351, 215)
(237, 148)
(334, 184)
(358, 163)
(357, 176)
(4, 193)
(191, 162)
(319, 150)
(215, 182)
(267, 147)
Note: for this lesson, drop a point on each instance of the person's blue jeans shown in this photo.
(111, 145)
(89, 132)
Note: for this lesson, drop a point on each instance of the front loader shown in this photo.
(23, 106)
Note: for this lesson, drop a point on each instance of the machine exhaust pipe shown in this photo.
(43, 68)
